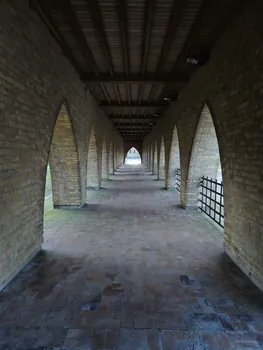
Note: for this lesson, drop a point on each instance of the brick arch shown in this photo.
(110, 159)
(93, 179)
(161, 161)
(155, 158)
(64, 162)
(205, 157)
(174, 160)
(104, 161)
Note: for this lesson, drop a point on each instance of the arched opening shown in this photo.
(155, 158)
(174, 160)
(161, 168)
(133, 157)
(48, 205)
(204, 162)
(104, 162)
(63, 177)
(93, 180)
(110, 159)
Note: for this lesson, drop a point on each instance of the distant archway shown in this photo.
(133, 157)
(205, 157)
(104, 162)
(63, 169)
(93, 179)
(161, 167)
(174, 160)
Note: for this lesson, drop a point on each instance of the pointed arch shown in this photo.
(174, 160)
(93, 179)
(110, 159)
(161, 164)
(204, 158)
(155, 160)
(104, 162)
(64, 162)
(133, 156)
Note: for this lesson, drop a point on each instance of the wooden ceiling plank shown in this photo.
(97, 20)
(175, 18)
(41, 8)
(162, 79)
(128, 117)
(134, 104)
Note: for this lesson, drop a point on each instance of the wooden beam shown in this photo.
(97, 20)
(192, 32)
(134, 104)
(123, 125)
(41, 9)
(163, 79)
(130, 117)
(175, 18)
(122, 18)
(148, 21)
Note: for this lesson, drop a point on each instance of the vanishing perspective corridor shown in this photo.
(131, 270)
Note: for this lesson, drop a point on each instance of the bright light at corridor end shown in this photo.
(133, 157)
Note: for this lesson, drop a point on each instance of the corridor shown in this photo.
(131, 270)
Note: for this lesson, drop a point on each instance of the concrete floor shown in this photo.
(131, 270)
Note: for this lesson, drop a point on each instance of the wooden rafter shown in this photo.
(137, 117)
(97, 20)
(135, 79)
(148, 20)
(122, 18)
(175, 18)
(134, 104)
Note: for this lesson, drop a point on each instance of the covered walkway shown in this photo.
(131, 270)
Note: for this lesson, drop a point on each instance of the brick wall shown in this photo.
(105, 162)
(35, 79)
(173, 157)
(93, 166)
(64, 163)
(232, 86)
(204, 158)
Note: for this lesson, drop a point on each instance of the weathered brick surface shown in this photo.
(105, 162)
(161, 162)
(93, 178)
(232, 86)
(35, 80)
(173, 157)
(64, 164)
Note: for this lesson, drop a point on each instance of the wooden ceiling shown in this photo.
(133, 55)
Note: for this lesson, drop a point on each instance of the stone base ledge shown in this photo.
(190, 207)
(258, 281)
(93, 188)
(16, 272)
(55, 206)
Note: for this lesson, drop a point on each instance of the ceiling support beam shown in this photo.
(148, 21)
(97, 20)
(70, 17)
(130, 117)
(134, 104)
(127, 126)
(175, 18)
(122, 18)
(41, 9)
(163, 79)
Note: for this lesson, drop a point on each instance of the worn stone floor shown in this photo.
(131, 270)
